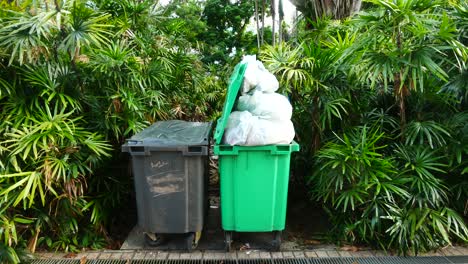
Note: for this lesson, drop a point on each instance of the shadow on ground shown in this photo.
(305, 223)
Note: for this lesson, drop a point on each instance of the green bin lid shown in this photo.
(173, 133)
(235, 83)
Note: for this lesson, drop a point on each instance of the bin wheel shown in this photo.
(191, 241)
(154, 240)
(276, 243)
(228, 240)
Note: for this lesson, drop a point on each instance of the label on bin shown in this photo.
(159, 164)
(164, 178)
(170, 183)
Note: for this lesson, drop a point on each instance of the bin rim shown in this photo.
(279, 149)
(160, 140)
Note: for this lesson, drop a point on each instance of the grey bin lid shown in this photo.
(173, 133)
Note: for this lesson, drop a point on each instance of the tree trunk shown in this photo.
(258, 23)
(273, 19)
(336, 9)
(281, 18)
(356, 7)
(316, 130)
(263, 21)
(400, 89)
(401, 92)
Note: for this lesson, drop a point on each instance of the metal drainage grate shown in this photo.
(458, 259)
(141, 261)
(253, 261)
(359, 261)
(218, 261)
(325, 260)
(367, 260)
(414, 260)
(55, 261)
(382, 260)
(104, 261)
(291, 261)
(181, 261)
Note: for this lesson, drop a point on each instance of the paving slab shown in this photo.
(115, 255)
(46, 255)
(276, 255)
(380, 253)
(253, 254)
(310, 254)
(321, 253)
(288, 254)
(243, 255)
(92, 255)
(127, 255)
(333, 253)
(105, 255)
(265, 255)
(431, 254)
(139, 255)
(162, 255)
(454, 251)
(298, 254)
(152, 255)
(344, 254)
(463, 250)
(196, 255)
(81, 255)
(173, 256)
(214, 255)
(366, 253)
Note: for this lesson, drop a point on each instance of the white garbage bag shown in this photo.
(271, 106)
(270, 132)
(238, 128)
(252, 74)
(267, 82)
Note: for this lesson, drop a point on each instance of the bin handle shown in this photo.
(281, 150)
(195, 151)
(226, 150)
(136, 150)
(285, 149)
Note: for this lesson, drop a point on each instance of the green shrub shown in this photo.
(380, 113)
(76, 79)
(385, 195)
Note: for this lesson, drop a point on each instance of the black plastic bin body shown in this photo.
(169, 163)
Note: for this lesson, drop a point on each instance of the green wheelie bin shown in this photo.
(254, 179)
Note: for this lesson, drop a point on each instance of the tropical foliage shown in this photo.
(380, 113)
(76, 79)
(380, 110)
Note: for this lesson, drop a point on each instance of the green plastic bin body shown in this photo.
(254, 179)
(254, 186)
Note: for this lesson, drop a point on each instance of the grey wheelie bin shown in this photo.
(169, 164)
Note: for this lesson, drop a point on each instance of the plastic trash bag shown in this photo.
(244, 129)
(238, 128)
(271, 106)
(270, 132)
(267, 82)
(252, 74)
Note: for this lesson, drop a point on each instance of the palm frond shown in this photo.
(429, 132)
